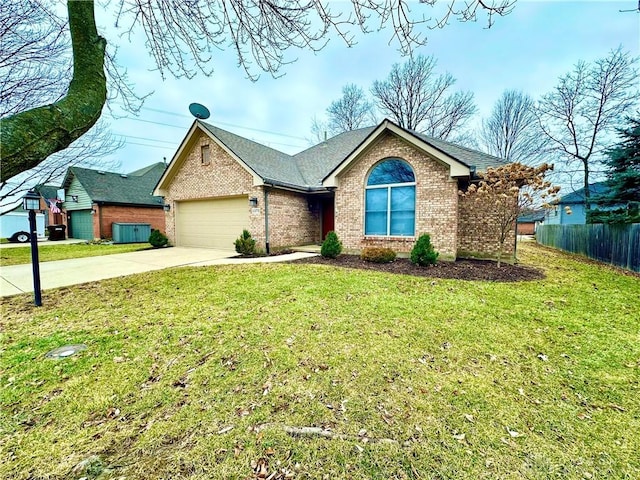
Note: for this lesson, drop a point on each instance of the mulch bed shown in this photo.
(459, 270)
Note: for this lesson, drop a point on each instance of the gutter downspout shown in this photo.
(266, 219)
(99, 205)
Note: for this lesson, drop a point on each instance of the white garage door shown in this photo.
(211, 223)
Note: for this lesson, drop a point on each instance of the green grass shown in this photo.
(446, 369)
(48, 253)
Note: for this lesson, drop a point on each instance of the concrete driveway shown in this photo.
(18, 279)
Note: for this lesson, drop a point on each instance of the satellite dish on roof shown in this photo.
(199, 111)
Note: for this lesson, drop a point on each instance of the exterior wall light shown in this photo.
(166, 207)
(253, 202)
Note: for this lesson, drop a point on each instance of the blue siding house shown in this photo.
(570, 209)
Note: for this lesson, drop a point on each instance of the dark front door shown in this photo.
(327, 217)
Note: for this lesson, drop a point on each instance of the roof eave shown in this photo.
(294, 188)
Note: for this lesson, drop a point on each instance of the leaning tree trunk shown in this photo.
(29, 137)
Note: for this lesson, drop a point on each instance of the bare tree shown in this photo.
(512, 131)
(34, 60)
(181, 37)
(35, 67)
(580, 115)
(352, 111)
(415, 97)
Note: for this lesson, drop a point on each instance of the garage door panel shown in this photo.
(81, 225)
(211, 223)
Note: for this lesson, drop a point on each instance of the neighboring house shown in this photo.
(95, 199)
(377, 186)
(570, 209)
(528, 222)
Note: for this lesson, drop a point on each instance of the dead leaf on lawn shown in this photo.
(237, 450)
(242, 412)
(543, 357)
(513, 433)
(469, 417)
(113, 412)
(224, 430)
(230, 363)
(260, 469)
(266, 388)
(459, 437)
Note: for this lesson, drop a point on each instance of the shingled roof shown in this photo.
(308, 169)
(48, 192)
(135, 188)
(268, 163)
(577, 197)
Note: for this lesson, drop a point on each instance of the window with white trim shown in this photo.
(390, 200)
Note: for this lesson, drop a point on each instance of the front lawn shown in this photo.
(48, 253)
(219, 372)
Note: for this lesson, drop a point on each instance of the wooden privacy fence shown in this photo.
(615, 244)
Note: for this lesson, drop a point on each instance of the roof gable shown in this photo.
(456, 167)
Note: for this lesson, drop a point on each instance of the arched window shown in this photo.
(390, 199)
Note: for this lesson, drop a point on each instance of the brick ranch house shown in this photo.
(376, 186)
(94, 200)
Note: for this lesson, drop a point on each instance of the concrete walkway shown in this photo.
(17, 279)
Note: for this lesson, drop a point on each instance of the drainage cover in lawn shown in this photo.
(65, 351)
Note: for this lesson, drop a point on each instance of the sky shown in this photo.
(527, 50)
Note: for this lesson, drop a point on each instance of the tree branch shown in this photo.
(30, 137)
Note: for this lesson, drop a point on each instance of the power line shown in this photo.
(144, 138)
(166, 112)
(147, 145)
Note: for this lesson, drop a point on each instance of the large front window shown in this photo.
(390, 200)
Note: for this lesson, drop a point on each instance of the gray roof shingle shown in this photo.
(135, 188)
(266, 162)
(307, 169)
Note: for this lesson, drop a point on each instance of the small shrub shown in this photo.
(331, 247)
(158, 239)
(423, 253)
(245, 245)
(378, 255)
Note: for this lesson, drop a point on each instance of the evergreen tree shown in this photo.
(623, 179)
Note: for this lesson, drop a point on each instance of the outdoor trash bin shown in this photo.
(57, 232)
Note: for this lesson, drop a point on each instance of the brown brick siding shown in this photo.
(223, 177)
(458, 226)
(290, 222)
(436, 200)
(528, 228)
(108, 214)
(479, 233)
